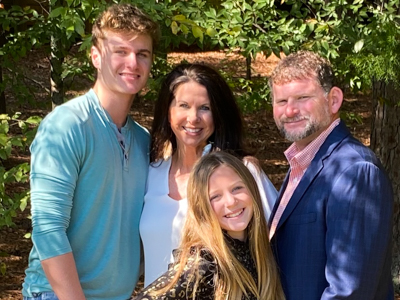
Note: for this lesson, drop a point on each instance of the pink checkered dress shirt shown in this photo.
(299, 162)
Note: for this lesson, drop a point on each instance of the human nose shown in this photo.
(230, 200)
(291, 109)
(193, 116)
(132, 60)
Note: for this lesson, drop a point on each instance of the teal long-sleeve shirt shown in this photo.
(86, 198)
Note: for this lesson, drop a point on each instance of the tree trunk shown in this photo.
(248, 67)
(56, 60)
(3, 107)
(57, 83)
(385, 141)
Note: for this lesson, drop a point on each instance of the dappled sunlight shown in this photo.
(263, 139)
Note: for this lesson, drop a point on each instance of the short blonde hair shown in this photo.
(303, 65)
(126, 19)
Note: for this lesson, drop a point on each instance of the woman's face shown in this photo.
(231, 201)
(190, 116)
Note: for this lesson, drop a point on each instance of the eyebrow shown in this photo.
(122, 47)
(145, 51)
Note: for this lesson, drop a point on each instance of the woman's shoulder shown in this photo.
(159, 168)
(160, 164)
(252, 162)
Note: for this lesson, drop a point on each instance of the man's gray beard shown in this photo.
(310, 128)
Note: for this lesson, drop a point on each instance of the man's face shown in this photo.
(123, 64)
(301, 110)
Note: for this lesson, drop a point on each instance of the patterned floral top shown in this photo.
(207, 268)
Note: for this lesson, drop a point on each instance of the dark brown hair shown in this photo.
(228, 133)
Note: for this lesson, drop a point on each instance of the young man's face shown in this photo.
(123, 64)
(302, 110)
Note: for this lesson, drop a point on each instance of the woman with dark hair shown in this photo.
(195, 113)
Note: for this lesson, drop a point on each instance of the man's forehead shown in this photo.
(121, 39)
(291, 79)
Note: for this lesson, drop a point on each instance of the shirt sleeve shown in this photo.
(358, 234)
(55, 159)
(184, 286)
(267, 190)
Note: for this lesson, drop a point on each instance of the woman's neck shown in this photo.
(181, 165)
(184, 158)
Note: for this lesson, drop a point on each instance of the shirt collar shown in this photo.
(304, 157)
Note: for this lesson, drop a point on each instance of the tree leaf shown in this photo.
(23, 203)
(174, 27)
(34, 120)
(197, 33)
(57, 12)
(3, 268)
(179, 18)
(80, 27)
(211, 32)
(358, 45)
(184, 29)
(3, 139)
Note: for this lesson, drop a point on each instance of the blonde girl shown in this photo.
(225, 251)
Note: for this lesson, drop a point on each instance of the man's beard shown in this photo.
(311, 127)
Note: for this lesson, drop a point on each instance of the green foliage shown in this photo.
(3, 268)
(356, 35)
(361, 38)
(12, 201)
(378, 55)
(65, 26)
(18, 43)
(350, 117)
(251, 95)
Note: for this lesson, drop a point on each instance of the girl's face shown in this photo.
(231, 201)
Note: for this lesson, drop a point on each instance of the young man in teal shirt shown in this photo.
(88, 173)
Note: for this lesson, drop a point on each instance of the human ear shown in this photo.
(96, 57)
(336, 99)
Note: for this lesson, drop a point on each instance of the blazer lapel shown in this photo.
(316, 166)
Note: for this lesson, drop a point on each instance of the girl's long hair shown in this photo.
(202, 231)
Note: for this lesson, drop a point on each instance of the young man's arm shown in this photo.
(63, 277)
(54, 173)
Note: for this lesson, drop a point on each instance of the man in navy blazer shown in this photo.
(331, 227)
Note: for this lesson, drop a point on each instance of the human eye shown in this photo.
(205, 107)
(183, 105)
(237, 188)
(120, 51)
(143, 54)
(304, 97)
(281, 102)
(214, 197)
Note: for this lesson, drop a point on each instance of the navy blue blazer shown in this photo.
(333, 240)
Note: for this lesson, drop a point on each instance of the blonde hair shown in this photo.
(202, 232)
(126, 19)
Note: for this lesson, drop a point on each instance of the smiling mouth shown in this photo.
(235, 214)
(133, 76)
(294, 120)
(192, 130)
